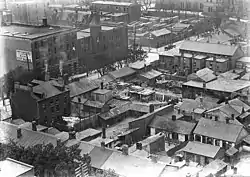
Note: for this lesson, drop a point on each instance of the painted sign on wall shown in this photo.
(23, 55)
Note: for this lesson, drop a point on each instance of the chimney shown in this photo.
(103, 132)
(66, 79)
(154, 158)
(19, 132)
(226, 100)
(45, 22)
(34, 126)
(201, 99)
(151, 108)
(72, 135)
(227, 120)
(139, 146)
(103, 145)
(232, 116)
(30, 87)
(101, 85)
(216, 118)
(125, 149)
(173, 117)
(58, 141)
(47, 76)
(179, 111)
(243, 110)
(204, 85)
(16, 85)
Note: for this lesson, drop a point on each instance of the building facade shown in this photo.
(100, 45)
(32, 46)
(132, 9)
(42, 101)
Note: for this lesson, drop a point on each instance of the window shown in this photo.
(45, 119)
(51, 101)
(57, 108)
(55, 49)
(52, 109)
(44, 106)
(116, 8)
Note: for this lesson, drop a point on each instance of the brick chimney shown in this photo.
(103, 132)
(125, 149)
(72, 135)
(174, 117)
(103, 145)
(19, 132)
(243, 110)
(101, 85)
(232, 116)
(216, 118)
(47, 76)
(151, 108)
(34, 126)
(227, 120)
(139, 146)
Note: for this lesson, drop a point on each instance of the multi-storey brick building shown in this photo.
(42, 101)
(100, 45)
(30, 45)
(132, 9)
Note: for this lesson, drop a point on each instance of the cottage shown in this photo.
(176, 130)
(224, 135)
(202, 153)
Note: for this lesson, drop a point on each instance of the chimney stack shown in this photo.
(179, 111)
(16, 85)
(125, 149)
(30, 87)
(66, 79)
(151, 108)
(243, 110)
(204, 85)
(174, 117)
(34, 126)
(45, 21)
(72, 135)
(101, 85)
(227, 120)
(19, 132)
(154, 158)
(201, 99)
(79, 100)
(216, 118)
(139, 146)
(226, 100)
(103, 132)
(232, 116)
(103, 145)
(47, 76)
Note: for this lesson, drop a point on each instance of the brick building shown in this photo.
(100, 45)
(43, 101)
(132, 9)
(29, 45)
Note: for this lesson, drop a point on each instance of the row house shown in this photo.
(224, 135)
(194, 55)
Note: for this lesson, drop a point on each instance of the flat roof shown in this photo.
(31, 31)
(101, 91)
(112, 3)
(87, 133)
(13, 168)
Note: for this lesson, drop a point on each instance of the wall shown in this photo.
(29, 173)
(158, 145)
(11, 44)
(146, 119)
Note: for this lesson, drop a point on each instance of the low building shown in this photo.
(42, 101)
(203, 75)
(202, 154)
(176, 130)
(14, 168)
(88, 134)
(222, 64)
(150, 77)
(224, 135)
(123, 74)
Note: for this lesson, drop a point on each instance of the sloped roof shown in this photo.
(28, 125)
(87, 133)
(178, 126)
(206, 74)
(125, 71)
(219, 130)
(86, 148)
(99, 156)
(29, 138)
(210, 48)
(202, 149)
(47, 89)
(151, 74)
(161, 32)
(82, 86)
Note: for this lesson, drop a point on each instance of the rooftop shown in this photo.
(209, 48)
(161, 32)
(29, 138)
(28, 125)
(82, 34)
(221, 84)
(230, 75)
(98, 140)
(151, 139)
(123, 72)
(102, 91)
(14, 168)
(220, 130)
(30, 31)
(177, 126)
(87, 133)
(151, 74)
(206, 74)
(202, 149)
(112, 3)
